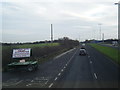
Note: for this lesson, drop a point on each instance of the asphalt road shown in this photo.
(92, 71)
(68, 70)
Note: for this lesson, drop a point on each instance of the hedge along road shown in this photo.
(30, 45)
(41, 78)
(38, 50)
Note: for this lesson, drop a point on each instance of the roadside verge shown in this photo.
(112, 53)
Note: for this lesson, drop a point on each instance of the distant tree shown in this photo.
(68, 43)
(87, 41)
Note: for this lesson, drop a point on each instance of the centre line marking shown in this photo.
(51, 85)
(28, 84)
(62, 70)
(59, 74)
(56, 78)
(64, 67)
(90, 61)
(95, 75)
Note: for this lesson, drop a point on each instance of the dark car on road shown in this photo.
(82, 52)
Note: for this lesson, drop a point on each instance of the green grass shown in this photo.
(108, 51)
(38, 49)
(51, 56)
(31, 45)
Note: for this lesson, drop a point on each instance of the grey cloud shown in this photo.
(70, 18)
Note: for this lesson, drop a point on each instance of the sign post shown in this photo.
(22, 64)
(21, 53)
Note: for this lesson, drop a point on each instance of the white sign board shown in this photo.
(19, 53)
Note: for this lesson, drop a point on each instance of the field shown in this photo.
(108, 51)
(39, 51)
(31, 45)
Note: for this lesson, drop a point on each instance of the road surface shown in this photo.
(68, 70)
(110, 45)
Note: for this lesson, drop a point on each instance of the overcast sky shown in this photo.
(29, 20)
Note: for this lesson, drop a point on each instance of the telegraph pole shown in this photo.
(119, 24)
(103, 37)
(79, 39)
(100, 30)
(51, 33)
(118, 21)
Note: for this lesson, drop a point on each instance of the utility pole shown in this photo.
(79, 39)
(100, 30)
(103, 37)
(51, 33)
(118, 21)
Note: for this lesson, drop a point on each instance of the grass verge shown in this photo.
(51, 56)
(112, 53)
(40, 52)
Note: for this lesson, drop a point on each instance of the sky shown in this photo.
(30, 20)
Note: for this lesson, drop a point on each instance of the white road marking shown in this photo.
(18, 82)
(46, 82)
(14, 83)
(66, 64)
(64, 53)
(71, 58)
(59, 74)
(28, 85)
(32, 80)
(56, 78)
(88, 56)
(62, 70)
(91, 62)
(64, 67)
(73, 55)
(51, 85)
(95, 75)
